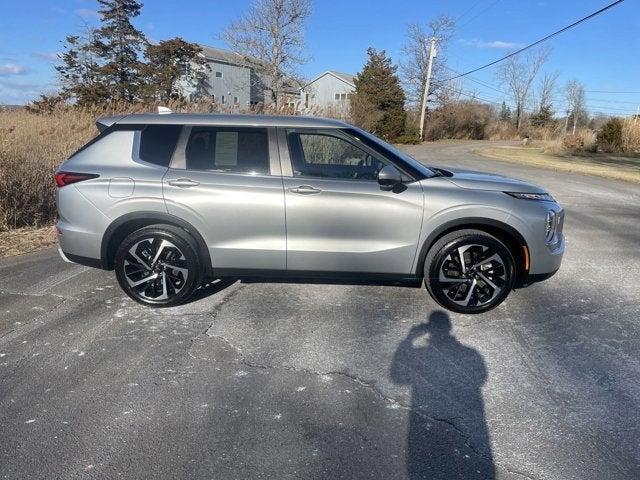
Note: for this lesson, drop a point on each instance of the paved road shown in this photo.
(275, 380)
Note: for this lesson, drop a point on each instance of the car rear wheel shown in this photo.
(158, 266)
(469, 271)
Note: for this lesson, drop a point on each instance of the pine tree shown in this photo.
(118, 45)
(378, 102)
(173, 65)
(505, 113)
(78, 72)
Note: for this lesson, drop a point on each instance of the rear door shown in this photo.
(338, 217)
(226, 182)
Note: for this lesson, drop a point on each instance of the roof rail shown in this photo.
(164, 110)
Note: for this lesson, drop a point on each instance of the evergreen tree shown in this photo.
(118, 45)
(542, 117)
(78, 72)
(505, 113)
(172, 66)
(377, 104)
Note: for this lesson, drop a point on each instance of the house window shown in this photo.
(218, 74)
(343, 96)
(222, 100)
(235, 101)
(337, 96)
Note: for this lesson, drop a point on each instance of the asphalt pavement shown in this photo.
(288, 380)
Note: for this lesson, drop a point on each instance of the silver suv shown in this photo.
(170, 200)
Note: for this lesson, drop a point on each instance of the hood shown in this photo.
(488, 181)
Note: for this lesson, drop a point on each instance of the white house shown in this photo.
(329, 90)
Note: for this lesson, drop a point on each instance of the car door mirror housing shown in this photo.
(389, 177)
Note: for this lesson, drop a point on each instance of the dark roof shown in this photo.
(227, 56)
(224, 119)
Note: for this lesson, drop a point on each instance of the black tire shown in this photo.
(164, 252)
(488, 263)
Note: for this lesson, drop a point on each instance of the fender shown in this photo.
(466, 222)
(143, 219)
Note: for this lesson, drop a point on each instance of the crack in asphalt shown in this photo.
(367, 384)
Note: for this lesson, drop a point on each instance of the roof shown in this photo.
(224, 120)
(227, 56)
(345, 77)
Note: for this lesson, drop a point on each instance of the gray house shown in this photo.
(238, 82)
(329, 90)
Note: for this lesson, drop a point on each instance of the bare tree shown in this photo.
(576, 101)
(546, 90)
(415, 51)
(270, 37)
(517, 74)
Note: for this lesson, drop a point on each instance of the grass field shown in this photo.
(615, 167)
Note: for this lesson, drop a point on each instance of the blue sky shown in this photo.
(602, 53)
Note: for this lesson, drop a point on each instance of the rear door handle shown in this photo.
(305, 190)
(183, 183)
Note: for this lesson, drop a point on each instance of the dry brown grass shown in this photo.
(631, 136)
(615, 167)
(31, 147)
(25, 240)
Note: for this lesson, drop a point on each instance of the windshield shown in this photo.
(426, 171)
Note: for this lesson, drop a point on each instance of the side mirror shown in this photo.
(389, 177)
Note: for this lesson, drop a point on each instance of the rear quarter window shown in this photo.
(157, 143)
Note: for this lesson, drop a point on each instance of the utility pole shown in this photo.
(425, 95)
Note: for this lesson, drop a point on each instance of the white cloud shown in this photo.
(20, 93)
(492, 44)
(87, 13)
(12, 69)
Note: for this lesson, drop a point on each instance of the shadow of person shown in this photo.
(447, 433)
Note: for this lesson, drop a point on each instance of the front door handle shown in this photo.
(183, 183)
(305, 190)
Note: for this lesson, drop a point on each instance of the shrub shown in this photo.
(408, 139)
(631, 136)
(609, 138)
(582, 141)
(467, 119)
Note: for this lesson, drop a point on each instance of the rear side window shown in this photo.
(232, 150)
(157, 143)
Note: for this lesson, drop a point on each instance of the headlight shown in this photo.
(532, 196)
(550, 226)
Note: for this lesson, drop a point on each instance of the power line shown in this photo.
(544, 39)
(479, 13)
(469, 9)
(611, 91)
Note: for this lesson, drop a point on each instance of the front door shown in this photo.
(226, 182)
(338, 218)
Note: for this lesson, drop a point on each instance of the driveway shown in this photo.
(282, 380)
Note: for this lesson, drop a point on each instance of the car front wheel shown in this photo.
(469, 271)
(158, 266)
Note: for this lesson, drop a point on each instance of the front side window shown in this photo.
(231, 150)
(323, 155)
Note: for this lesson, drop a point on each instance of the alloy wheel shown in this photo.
(155, 268)
(472, 275)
